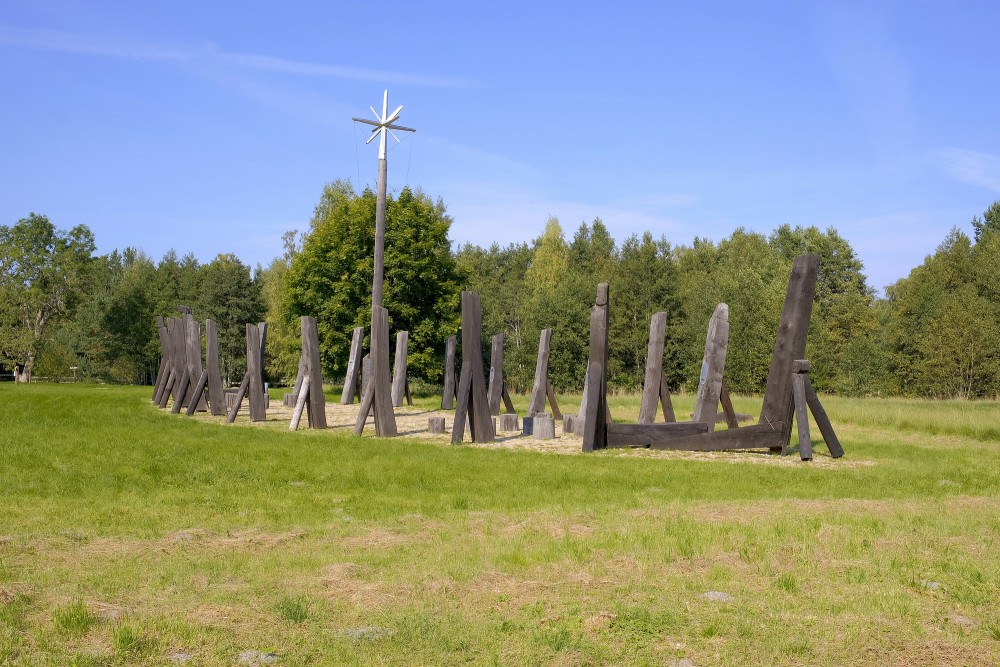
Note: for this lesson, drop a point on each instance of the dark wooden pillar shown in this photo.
(448, 397)
(713, 367)
(595, 435)
(473, 401)
(352, 381)
(789, 345)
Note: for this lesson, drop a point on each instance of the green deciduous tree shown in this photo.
(331, 277)
(43, 273)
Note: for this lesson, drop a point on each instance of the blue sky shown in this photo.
(212, 127)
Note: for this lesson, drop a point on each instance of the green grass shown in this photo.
(128, 536)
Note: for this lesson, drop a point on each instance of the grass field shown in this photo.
(133, 537)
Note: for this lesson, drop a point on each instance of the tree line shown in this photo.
(935, 333)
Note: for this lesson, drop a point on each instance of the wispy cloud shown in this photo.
(66, 42)
(972, 167)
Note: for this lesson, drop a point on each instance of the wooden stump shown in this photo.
(544, 428)
(435, 424)
(289, 400)
(508, 422)
(529, 423)
(569, 423)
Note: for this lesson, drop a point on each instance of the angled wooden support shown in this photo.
(309, 391)
(758, 436)
(182, 378)
(596, 417)
(450, 390)
(789, 345)
(164, 371)
(255, 390)
(377, 397)
(803, 397)
(473, 400)
(713, 366)
(400, 383)
(542, 388)
(192, 349)
(732, 421)
(216, 392)
(352, 381)
(654, 387)
(498, 390)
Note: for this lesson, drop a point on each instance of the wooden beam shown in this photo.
(399, 368)
(216, 392)
(199, 390)
(164, 369)
(255, 390)
(473, 398)
(668, 405)
(713, 366)
(645, 435)
(300, 404)
(822, 421)
(316, 407)
(758, 436)
(789, 346)
(537, 403)
(732, 421)
(654, 368)
(448, 397)
(802, 416)
(550, 393)
(240, 395)
(595, 433)
(496, 373)
(352, 381)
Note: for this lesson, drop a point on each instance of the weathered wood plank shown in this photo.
(537, 402)
(399, 368)
(802, 416)
(789, 345)
(822, 421)
(300, 403)
(758, 436)
(167, 386)
(385, 418)
(435, 424)
(255, 391)
(732, 421)
(316, 407)
(164, 369)
(543, 428)
(216, 392)
(645, 435)
(462, 404)
(508, 404)
(496, 373)
(508, 422)
(181, 377)
(239, 396)
(352, 381)
(192, 352)
(595, 435)
(668, 405)
(713, 366)
(550, 393)
(366, 372)
(654, 368)
(480, 420)
(449, 394)
(199, 390)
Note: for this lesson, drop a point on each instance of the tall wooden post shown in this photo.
(473, 402)
(595, 433)
(376, 397)
(713, 367)
(352, 380)
(654, 369)
(448, 397)
(216, 393)
(789, 346)
(399, 386)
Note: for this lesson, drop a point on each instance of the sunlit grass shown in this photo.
(129, 535)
